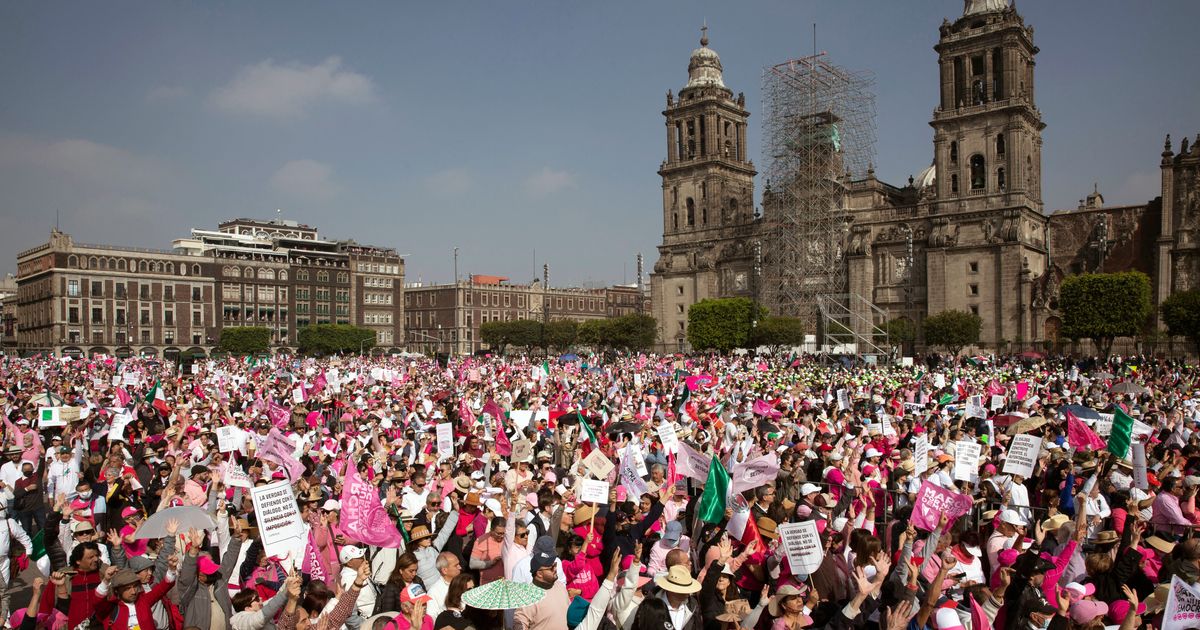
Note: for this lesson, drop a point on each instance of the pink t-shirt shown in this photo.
(135, 548)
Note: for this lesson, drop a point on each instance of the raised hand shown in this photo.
(897, 618)
(172, 526)
(293, 586)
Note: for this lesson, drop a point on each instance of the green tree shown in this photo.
(899, 331)
(323, 339)
(634, 332)
(525, 333)
(778, 332)
(722, 324)
(561, 333)
(495, 335)
(1181, 313)
(245, 340)
(1104, 306)
(594, 333)
(952, 330)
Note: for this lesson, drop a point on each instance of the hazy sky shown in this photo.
(500, 127)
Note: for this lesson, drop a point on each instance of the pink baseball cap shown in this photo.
(130, 511)
(1085, 610)
(207, 566)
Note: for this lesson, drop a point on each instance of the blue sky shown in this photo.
(503, 128)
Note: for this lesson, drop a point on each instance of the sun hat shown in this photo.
(678, 580)
(784, 592)
(1160, 545)
(1012, 517)
(1055, 522)
(735, 611)
(419, 533)
(947, 619)
(767, 528)
(1106, 537)
(137, 564)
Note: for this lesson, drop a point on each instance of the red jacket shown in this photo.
(114, 614)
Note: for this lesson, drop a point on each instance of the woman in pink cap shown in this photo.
(133, 547)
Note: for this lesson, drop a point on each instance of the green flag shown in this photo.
(716, 491)
(587, 430)
(1122, 434)
(946, 399)
(546, 367)
(39, 546)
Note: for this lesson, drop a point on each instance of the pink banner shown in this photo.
(277, 449)
(363, 515)
(763, 408)
(1081, 437)
(1022, 390)
(933, 501)
(754, 473)
(314, 564)
(279, 414)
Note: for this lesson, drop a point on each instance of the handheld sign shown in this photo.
(598, 464)
(803, 545)
(279, 522)
(966, 460)
(670, 440)
(593, 491)
(1023, 454)
(445, 439)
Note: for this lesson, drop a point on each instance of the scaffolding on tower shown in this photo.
(818, 136)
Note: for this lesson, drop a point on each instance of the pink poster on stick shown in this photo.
(933, 501)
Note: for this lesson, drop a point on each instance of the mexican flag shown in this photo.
(157, 399)
(546, 368)
(587, 433)
(716, 491)
(1122, 433)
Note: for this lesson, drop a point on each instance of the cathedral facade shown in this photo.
(969, 233)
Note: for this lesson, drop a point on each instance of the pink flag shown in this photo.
(754, 473)
(123, 397)
(465, 416)
(691, 463)
(314, 419)
(1081, 436)
(278, 450)
(995, 389)
(1022, 390)
(763, 408)
(319, 384)
(979, 619)
(933, 501)
(314, 564)
(279, 414)
(672, 474)
(503, 445)
(363, 515)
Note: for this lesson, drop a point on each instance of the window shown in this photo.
(302, 274)
(675, 221)
(679, 290)
(144, 291)
(73, 288)
(679, 309)
(322, 276)
(1001, 180)
(197, 318)
(169, 336)
(953, 152)
(974, 310)
(978, 173)
(97, 315)
(169, 293)
(973, 267)
(119, 290)
(195, 294)
(73, 315)
(954, 182)
(196, 339)
(973, 288)
(97, 289)
(1000, 145)
(145, 336)
(145, 318)
(120, 317)
(691, 212)
(169, 318)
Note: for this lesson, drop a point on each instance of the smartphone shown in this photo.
(70, 572)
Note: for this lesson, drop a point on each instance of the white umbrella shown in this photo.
(188, 517)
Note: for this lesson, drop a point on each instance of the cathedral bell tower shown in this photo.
(987, 128)
(707, 198)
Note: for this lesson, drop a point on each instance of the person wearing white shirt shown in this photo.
(413, 498)
(351, 558)
(448, 567)
(63, 472)
(1019, 497)
(7, 534)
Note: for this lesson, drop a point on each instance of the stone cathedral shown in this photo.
(970, 232)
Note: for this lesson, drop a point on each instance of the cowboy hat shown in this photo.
(1106, 537)
(462, 483)
(735, 611)
(1160, 545)
(766, 527)
(1055, 522)
(419, 533)
(312, 495)
(582, 514)
(678, 580)
(785, 591)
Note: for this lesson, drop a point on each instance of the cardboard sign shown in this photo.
(522, 451)
(1140, 480)
(997, 402)
(966, 460)
(235, 478)
(50, 417)
(279, 522)
(70, 414)
(975, 407)
(228, 439)
(598, 464)
(593, 491)
(920, 455)
(670, 440)
(1023, 453)
(802, 543)
(445, 440)
(1103, 426)
(843, 398)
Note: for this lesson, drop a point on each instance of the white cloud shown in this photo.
(305, 180)
(165, 93)
(451, 182)
(286, 91)
(85, 162)
(548, 182)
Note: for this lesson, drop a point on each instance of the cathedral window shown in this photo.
(704, 215)
(954, 183)
(978, 173)
(674, 196)
(675, 221)
(691, 212)
(703, 190)
(1001, 182)
(1000, 144)
(953, 152)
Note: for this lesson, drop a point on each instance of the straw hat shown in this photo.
(678, 580)
(419, 533)
(735, 611)
(785, 591)
(1160, 545)
(766, 527)
(582, 514)
(1106, 537)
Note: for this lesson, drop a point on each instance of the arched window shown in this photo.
(675, 221)
(691, 212)
(283, 275)
(171, 267)
(953, 152)
(1001, 182)
(121, 264)
(266, 274)
(704, 215)
(141, 265)
(978, 173)
(322, 276)
(1000, 144)
(302, 274)
(954, 182)
(195, 270)
(94, 263)
(72, 261)
(249, 273)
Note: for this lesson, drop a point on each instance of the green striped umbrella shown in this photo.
(503, 595)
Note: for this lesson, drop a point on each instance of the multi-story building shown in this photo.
(377, 276)
(447, 317)
(8, 314)
(77, 299)
(627, 299)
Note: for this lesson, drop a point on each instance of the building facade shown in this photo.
(8, 315)
(970, 232)
(77, 299)
(447, 318)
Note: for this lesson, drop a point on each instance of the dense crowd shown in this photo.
(634, 492)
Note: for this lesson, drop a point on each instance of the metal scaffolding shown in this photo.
(819, 134)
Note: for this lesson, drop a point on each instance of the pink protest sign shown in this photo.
(933, 501)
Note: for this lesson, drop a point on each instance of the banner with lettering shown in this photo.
(1183, 606)
(363, 515)
(754, 473)
(933, 501)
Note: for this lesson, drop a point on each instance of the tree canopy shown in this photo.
(778, 332)
(952, 330)
(722, 324)
(323, 339)
(1104, 306)
(245, 340)
(1181, 313)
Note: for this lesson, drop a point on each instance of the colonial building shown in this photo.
(969, 233)
(77, 299)
(8, 314)
(708, 199)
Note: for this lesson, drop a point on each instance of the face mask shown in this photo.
(85, 495)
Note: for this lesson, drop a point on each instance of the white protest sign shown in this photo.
(997, 402)
(975, 407)
(279, 522)
(920, 455)
(49, 417)
(116, 431)
(228, 439)
(298, 395)
(195, 368)
(445, 439)
(843, 398)
(129, 378)
(116, 380)
(628, 474)
(939, 380)
(522, 451)
(803, 545)
(670, 440)
(1183, 606)
(593, 491)
(1139, 466)
(1104, 425)
(1023, 454)
(739, 518)
(1141, 428)
(598, 464)
(521, 417)
(235, 478)
(966, 460)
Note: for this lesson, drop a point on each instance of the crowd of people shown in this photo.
(631, 492)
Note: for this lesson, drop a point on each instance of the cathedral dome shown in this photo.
(926, 178)
(704, 68)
